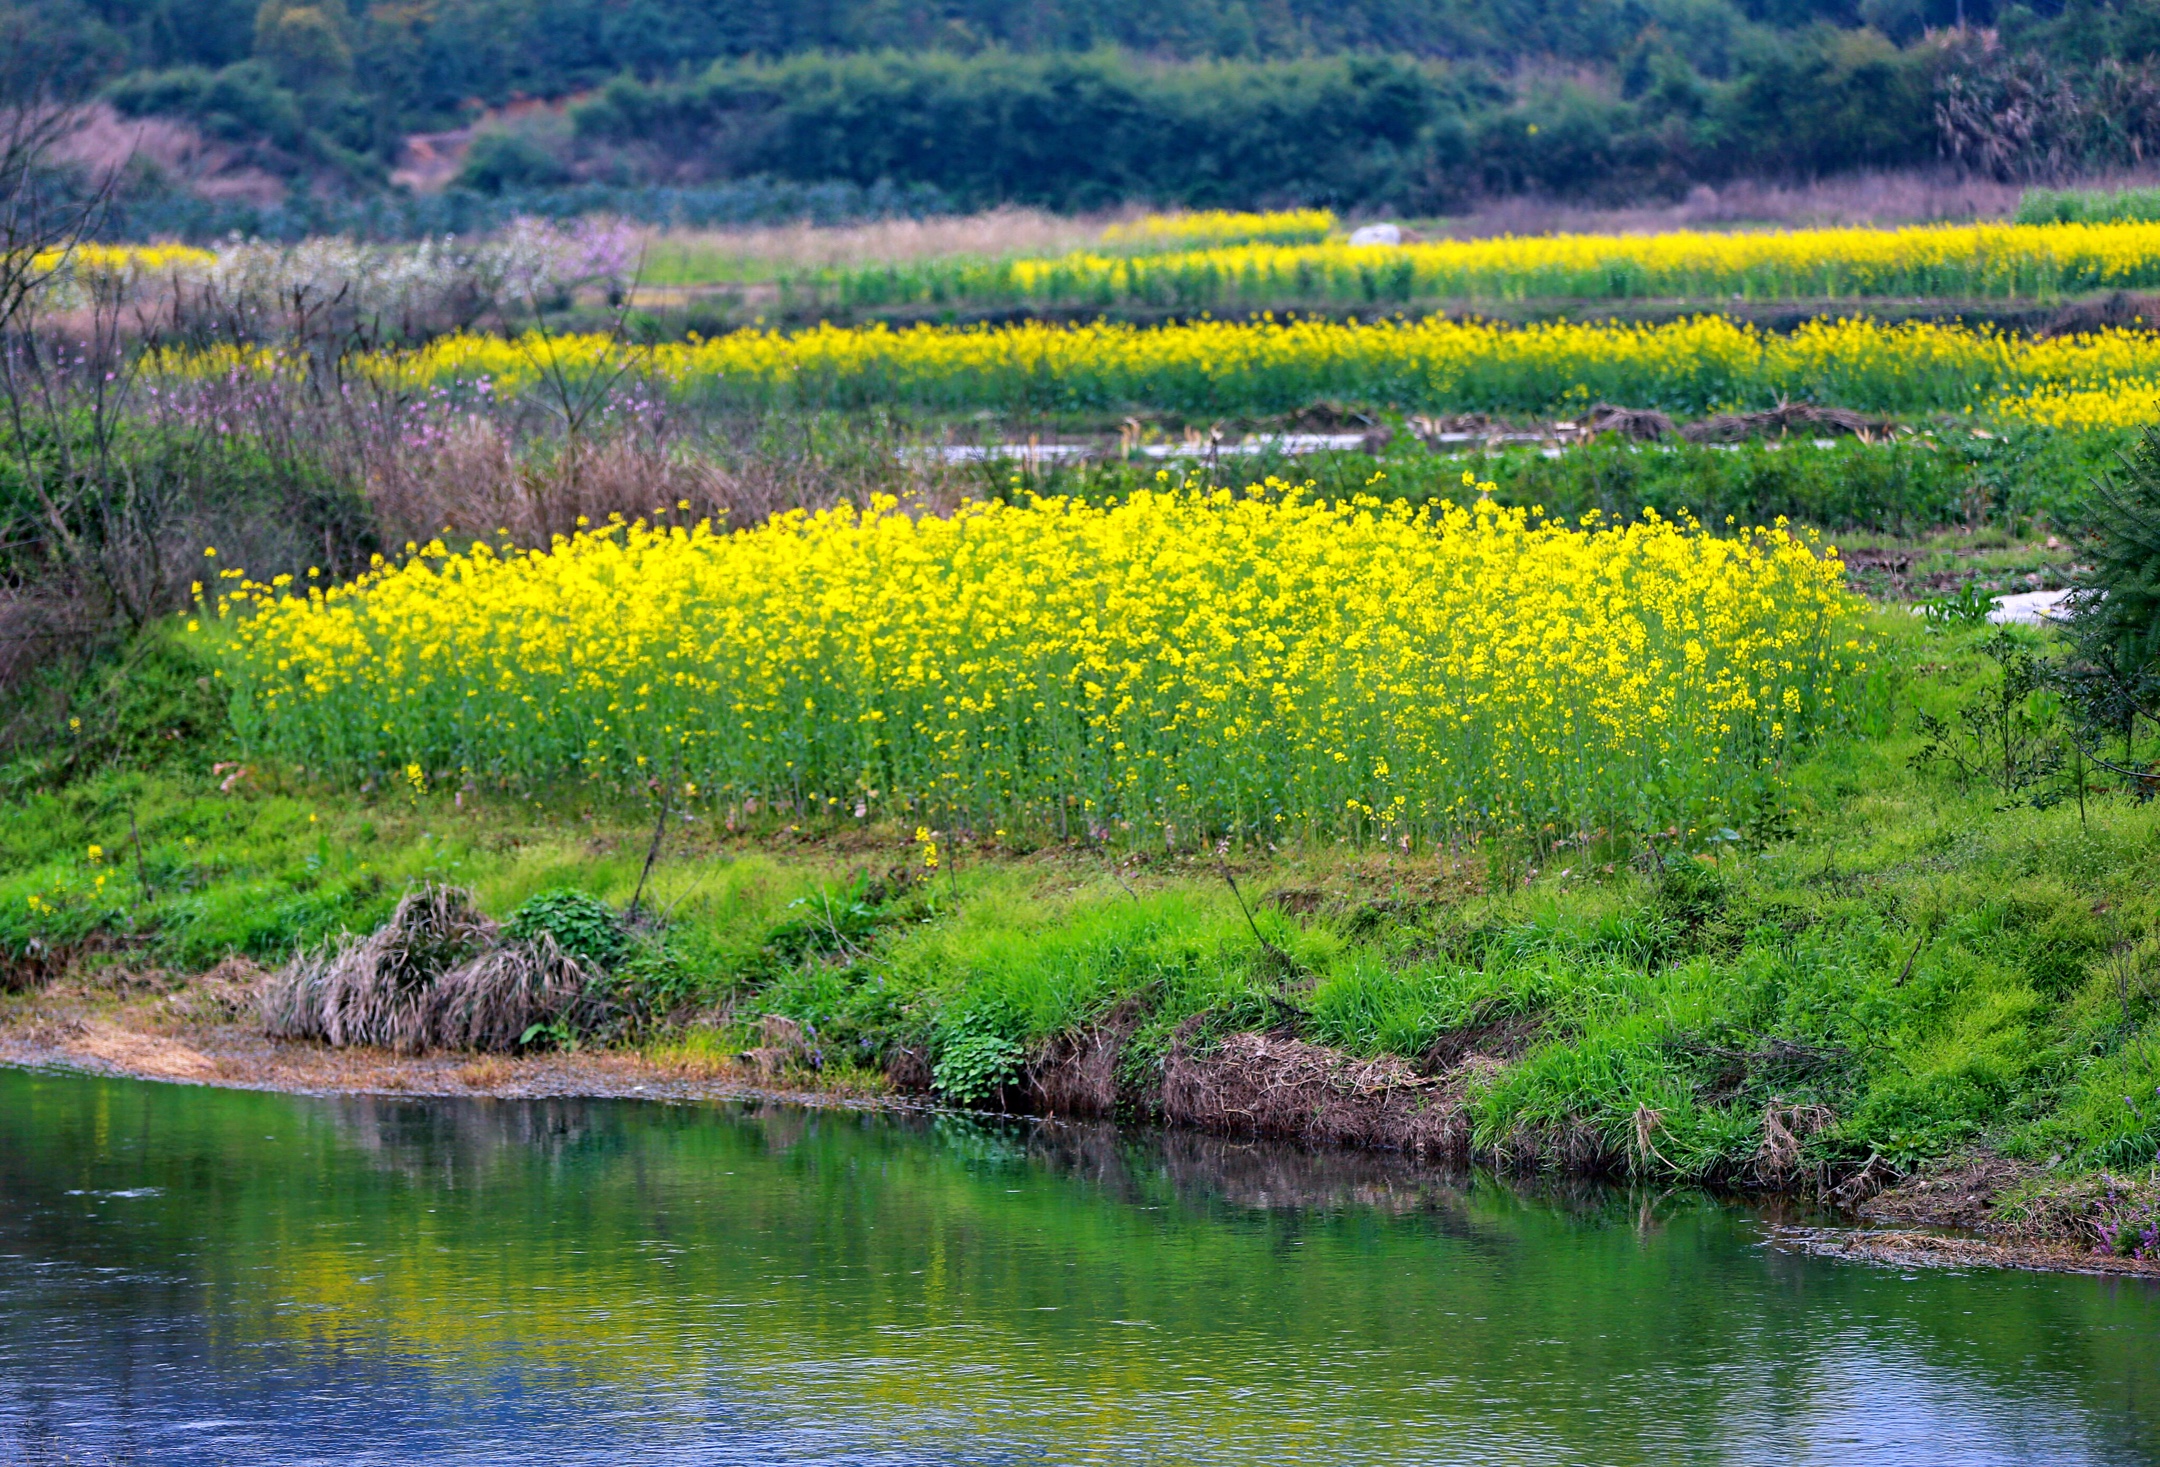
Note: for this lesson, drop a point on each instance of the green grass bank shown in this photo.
(1906, 968)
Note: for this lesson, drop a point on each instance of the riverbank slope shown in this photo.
(1895, 975)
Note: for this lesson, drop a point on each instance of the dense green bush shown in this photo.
(2114, 674)
(582, 925)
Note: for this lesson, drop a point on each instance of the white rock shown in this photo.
(2030, 608)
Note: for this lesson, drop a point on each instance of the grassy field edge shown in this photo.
(1896, 981)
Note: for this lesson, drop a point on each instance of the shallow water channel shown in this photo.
(202, 1276)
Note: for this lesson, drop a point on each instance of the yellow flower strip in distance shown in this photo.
(1961, 261)
(1696, 365)
(1216, 227)
(128, 261)
(1209, 663)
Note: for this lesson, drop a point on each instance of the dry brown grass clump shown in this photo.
(479, 480)
(1920, 196)
(1270, 1085)
(1787, 417)
(997, 234)
(437, 975)
(1647, 424)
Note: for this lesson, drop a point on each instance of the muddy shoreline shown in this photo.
(201, 1035)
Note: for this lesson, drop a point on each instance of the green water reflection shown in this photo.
(191, 1274)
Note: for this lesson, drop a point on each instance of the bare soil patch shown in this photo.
(1914, 1248)
(206, 1032)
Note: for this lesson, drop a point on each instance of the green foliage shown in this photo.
(2089, 206)
(2004, 735)
(1895, 488)
(149, 705)
(243, 102)
(583, 926)
(1920, 969)
(2114, 672)
(1060, 130)
(1073, 102)
(501, 159)
(977, 1055)
(1966, 607)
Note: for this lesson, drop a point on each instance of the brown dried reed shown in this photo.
(479, 480)
(1270, 1085)
(437, 975)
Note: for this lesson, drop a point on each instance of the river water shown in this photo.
(201, 1276)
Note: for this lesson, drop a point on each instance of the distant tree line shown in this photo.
(1068, 103)
(1072, 131)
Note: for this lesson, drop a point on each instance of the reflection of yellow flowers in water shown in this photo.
(1202, 661)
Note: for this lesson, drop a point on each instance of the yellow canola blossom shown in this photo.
(2134, 403)
(1701, 364)
(1216, 227)
(1959, 261)
(122, 265)
(1192, 662)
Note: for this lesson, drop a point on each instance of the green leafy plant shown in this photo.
(583, 926)
(977, 1056)
(2112, 677)
(1967, 606)
(2004, 736)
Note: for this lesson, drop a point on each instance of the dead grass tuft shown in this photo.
(491, 1073)
(996, 234)
(1271, 1085)
(1075, 1074)
(1788, 417)
(437, 975)
(226, 994)
(1786, 1129)
(783, 1046)
(1645, 424)
(494, 1001)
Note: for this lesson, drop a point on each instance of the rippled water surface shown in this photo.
(200, 1276)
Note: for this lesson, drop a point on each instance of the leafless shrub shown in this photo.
(481, 476)
(2009, 116)
(476, 480)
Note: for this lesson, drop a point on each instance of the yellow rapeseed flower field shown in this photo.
(2115, 404)
(1700, 364)
(1958, 261)
(1209, 228)
(1184, 665)
(71, 277)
